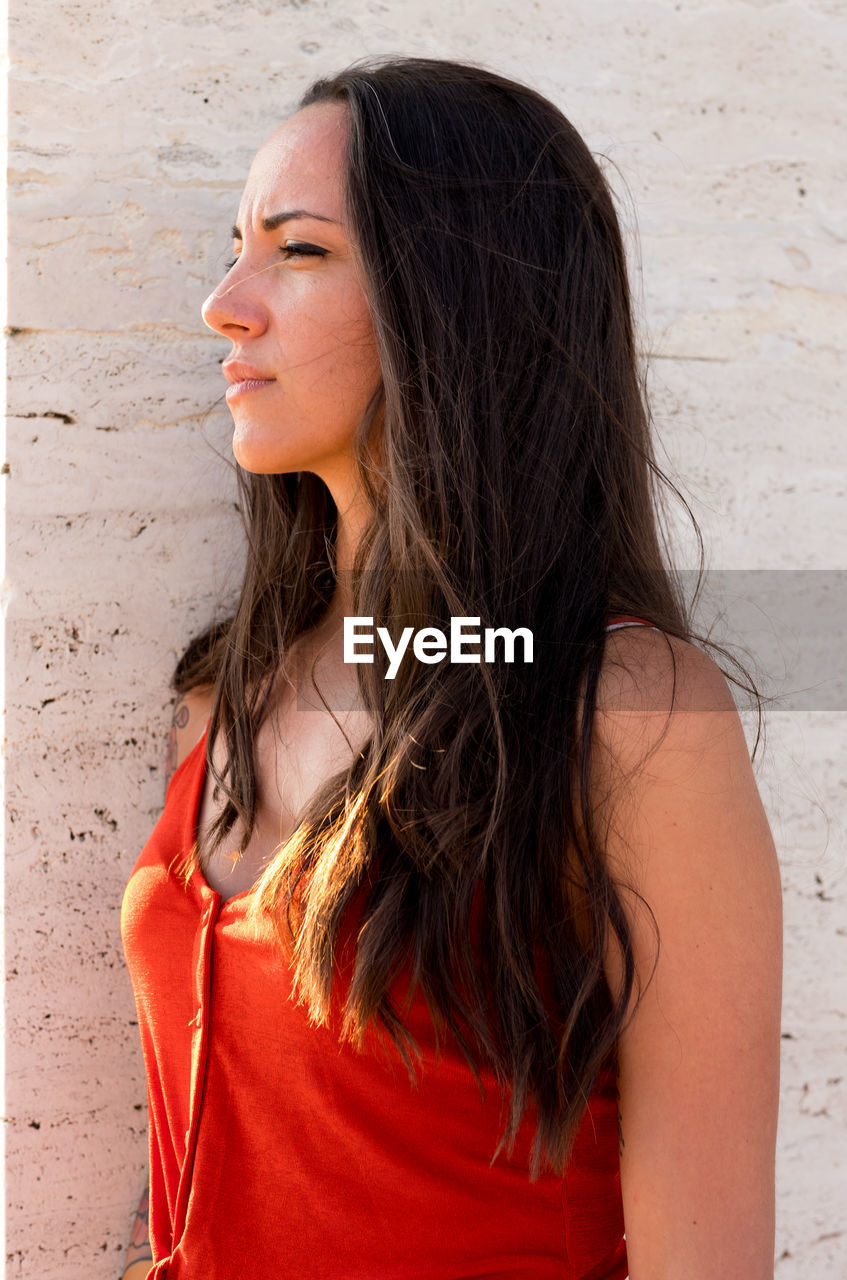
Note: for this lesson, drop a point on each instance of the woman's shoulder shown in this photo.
(191, 711)
(663, 714)
(647, 670)
(667, 741)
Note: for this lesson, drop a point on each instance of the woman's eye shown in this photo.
(295, 249)
(298, 250)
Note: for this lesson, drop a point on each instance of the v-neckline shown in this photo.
(197, 873)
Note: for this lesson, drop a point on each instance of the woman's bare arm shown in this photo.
(699, 1058)
(139, 1255)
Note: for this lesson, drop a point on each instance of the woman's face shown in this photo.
(304, 362)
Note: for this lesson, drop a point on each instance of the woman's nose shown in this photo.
(233, 307)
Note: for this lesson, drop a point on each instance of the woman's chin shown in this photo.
(260, 457)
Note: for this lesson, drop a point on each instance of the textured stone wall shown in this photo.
(131, 130)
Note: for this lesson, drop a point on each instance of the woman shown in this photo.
(465, 971)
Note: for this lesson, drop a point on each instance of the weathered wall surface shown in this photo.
(131, 131)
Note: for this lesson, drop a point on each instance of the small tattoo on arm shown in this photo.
(179, 721)
(139, 1241)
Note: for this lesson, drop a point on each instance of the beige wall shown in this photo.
(131, 130)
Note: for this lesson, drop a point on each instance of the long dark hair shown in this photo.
(513, 479)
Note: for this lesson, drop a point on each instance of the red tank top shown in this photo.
(276, 1151)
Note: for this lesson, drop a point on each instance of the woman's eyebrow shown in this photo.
(277, 219)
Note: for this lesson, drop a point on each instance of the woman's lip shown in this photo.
(249, 384)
